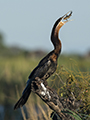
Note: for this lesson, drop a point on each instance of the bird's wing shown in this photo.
(46, 58)
(40, 70)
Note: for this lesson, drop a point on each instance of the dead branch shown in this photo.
(51, 98)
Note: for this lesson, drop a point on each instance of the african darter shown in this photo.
(47, 66)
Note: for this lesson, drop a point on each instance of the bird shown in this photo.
(48, 65)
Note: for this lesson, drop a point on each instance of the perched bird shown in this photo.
(47, 66)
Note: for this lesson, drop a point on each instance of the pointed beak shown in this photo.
(66, 17)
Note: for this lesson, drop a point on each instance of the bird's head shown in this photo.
(64, 19)
(55, 31)
(60, 22)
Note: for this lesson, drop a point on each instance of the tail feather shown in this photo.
(24, 97)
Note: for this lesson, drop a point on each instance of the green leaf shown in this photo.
(73, 114)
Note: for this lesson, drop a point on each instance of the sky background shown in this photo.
(28, 24)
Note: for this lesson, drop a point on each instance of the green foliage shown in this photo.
(71, 78)
(14, 71)
(71, 113)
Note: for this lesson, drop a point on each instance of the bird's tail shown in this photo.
(24, 97)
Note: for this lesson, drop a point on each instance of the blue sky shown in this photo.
(28, 24)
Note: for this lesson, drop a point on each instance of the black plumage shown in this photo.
(47, 66)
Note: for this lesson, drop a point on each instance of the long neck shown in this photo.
(54, 36)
